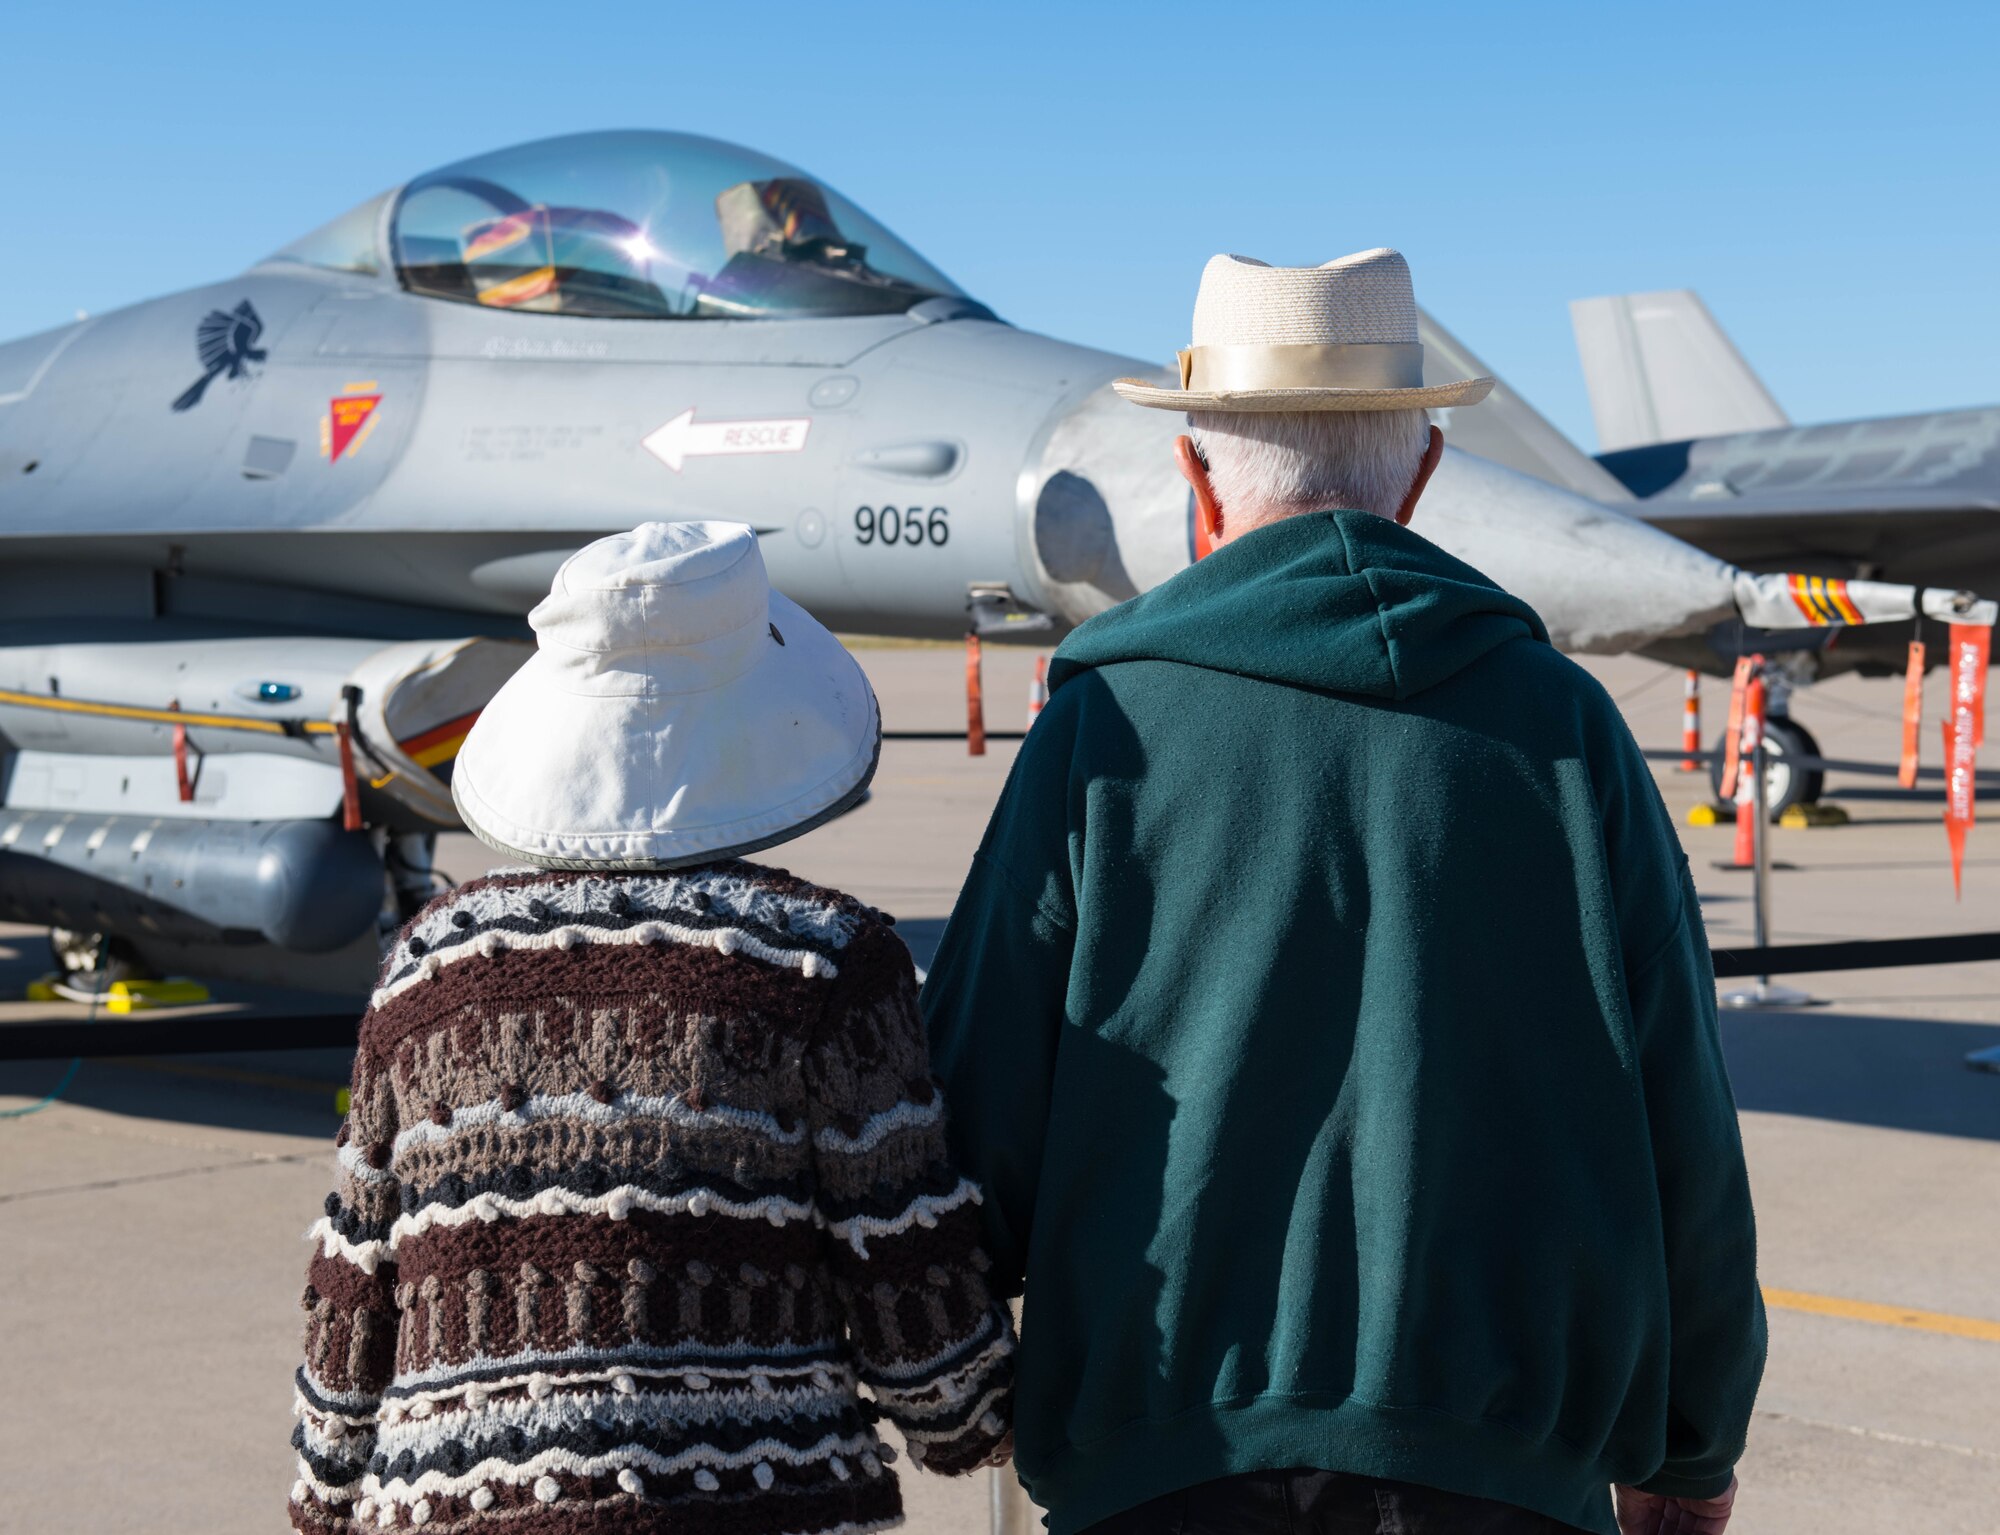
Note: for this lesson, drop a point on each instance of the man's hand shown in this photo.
(1648, 1513)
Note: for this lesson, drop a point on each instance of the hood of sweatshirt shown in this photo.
(1336, 601)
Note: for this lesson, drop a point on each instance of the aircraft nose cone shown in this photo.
(1601, 581)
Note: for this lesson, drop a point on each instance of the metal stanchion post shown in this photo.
(1013, 1514)
(1763, 994)
(1760, 841)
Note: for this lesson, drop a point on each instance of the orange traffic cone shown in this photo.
(1746, 777)
(975, 700)
(1691, 724)
(1038, 690)
(1913, 715)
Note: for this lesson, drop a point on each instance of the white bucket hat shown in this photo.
(1337, 337)
(676, 710)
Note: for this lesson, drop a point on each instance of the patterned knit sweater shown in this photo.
(643, 1178)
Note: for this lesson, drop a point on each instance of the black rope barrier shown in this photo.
(201, 1035)
(1857, 954)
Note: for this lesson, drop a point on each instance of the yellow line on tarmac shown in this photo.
(1887, 1316)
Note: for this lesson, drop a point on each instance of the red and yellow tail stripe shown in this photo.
(439, 743)
(1824, 600)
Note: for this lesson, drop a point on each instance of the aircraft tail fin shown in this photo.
(1506, 428)
(1660, 369)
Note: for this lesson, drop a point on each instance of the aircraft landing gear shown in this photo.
(88, 965)
(413, 879)
(1785, 785)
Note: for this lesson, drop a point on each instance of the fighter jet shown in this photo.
(1692, 433)
(266, 545)
(1689, 429)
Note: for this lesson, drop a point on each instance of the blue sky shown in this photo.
(1824, 175)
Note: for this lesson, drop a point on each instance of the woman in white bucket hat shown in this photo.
(677, 710)
(645, 1169)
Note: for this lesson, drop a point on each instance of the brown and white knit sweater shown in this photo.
(644, 1176)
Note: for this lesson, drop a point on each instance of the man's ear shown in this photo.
(1207, 515)
(1425, 470)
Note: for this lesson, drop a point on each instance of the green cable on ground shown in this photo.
(54, 1093)
(69, 1076)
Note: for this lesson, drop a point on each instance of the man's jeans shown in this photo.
(1323, 1503)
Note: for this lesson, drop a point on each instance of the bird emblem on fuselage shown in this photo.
(226, 340)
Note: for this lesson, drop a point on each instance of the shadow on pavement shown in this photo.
(1894, 1073)
(275, 1093)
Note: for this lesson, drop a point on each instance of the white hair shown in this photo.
(1265, 465)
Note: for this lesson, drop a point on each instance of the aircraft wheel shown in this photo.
(76, 954)
(1800, 742)
(1784, 784)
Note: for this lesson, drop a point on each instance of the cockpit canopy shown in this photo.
(631, 225)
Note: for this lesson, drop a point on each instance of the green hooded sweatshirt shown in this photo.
(1328, 1019)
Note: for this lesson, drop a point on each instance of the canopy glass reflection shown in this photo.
(649, 225)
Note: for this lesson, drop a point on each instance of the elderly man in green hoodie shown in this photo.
(1328, 1017)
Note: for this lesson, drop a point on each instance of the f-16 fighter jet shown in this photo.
(265, 546)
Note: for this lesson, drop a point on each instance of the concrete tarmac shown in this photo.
(151, 1219)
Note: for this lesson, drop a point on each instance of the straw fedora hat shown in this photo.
(1337, 337)
(676, 710)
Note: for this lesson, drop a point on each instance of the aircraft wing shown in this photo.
(1691, 432)
(1912, 497)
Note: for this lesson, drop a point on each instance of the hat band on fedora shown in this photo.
(1334, 365)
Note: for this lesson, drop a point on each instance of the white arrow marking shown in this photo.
(683, 438)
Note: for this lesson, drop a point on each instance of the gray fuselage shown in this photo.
(940, 449)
